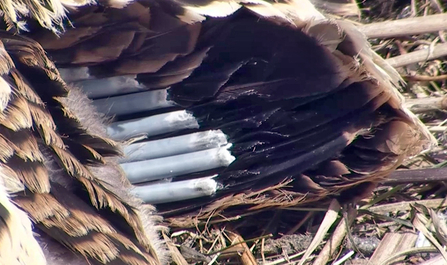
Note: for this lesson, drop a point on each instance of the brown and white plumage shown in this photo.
(310, 110)
(58, 166)
(298, 96)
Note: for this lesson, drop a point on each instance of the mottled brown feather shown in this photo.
(37, 119)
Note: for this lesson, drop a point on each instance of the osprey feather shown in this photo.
(59, 169)
(224, 106)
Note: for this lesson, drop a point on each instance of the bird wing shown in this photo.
(296, 96)
(257, 103)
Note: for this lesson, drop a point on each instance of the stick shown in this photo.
(247, 257)
(424, 78)
(417, 176)
(329, 219)
(422, 105)
(418, 56)
(336, 239)
(404, 27)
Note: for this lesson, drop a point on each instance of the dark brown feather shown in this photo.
(300, 97)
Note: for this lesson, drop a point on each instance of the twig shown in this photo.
(247, 257)
(329, 219)
(437, 129)
(417, 176)
(436, 5)
(406, 26)
(409, 252)
(414, 8)
(239, 243)
(336, 239)
(422, 105)
(406, 206)
(281, 260)
(262, 250)
(419, 56)
(214, 259)
(424, 78)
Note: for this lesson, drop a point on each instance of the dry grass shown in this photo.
(404, 220)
